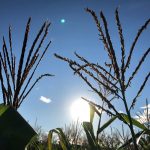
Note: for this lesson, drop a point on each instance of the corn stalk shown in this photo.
(114, 74)
(15, 76)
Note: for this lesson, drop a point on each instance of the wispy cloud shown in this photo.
(45, 99)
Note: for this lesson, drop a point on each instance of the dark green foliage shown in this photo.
(15, 132)
(145, 143)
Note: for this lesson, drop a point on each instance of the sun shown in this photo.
(80, 110)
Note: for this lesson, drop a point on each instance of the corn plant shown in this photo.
(38, 142)
(114, 74)
(71, 137)
(64, 142)
(15, 132)
(144, 140)
(16, 77)
(110, 140)
(74, 133)
(144, 117)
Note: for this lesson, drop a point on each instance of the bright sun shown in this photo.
(80, 110)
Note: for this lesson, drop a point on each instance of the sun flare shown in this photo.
(80, 110)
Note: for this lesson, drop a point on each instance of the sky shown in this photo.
(50, 101)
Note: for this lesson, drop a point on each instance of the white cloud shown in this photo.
(120, 111)
(142, 117)
(45, 99)
(144, 107)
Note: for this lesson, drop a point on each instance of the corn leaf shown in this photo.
(15, 132)
(50, 140)
(92, 113)
(137, 135)
(63, 139)
(88, 128)
(135, 122)
(65, 143)
(106, 124)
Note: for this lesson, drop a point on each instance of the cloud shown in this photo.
(144, 107)
(45, 99)
(120, 111)
(143, 117)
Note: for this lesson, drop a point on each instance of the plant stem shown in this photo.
(130, 120)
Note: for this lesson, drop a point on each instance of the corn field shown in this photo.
(110, 81)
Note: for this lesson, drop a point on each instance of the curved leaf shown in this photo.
(63, 139)
(92, 113)
(135, 122)
(88, 128)
(15, 132)
(106, 124)
(130, 140)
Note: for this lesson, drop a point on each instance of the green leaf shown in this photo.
(65, 143)
(34, 143)
(88, 128)
(63, 139)
(137, 135)
(15, 132)
(3, 108)
(92, 112)
(50, 140)
(106, 124)
(135, 122)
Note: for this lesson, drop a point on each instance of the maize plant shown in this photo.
(16, 77)
(113, 77)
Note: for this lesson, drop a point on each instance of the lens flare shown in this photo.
(62, 21)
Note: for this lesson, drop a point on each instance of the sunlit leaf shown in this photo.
(63, 139)
(50, 140)
(88, 128)
(135, 122)
(106, 124)
(92, 112)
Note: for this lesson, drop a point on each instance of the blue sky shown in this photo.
(79, 34)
